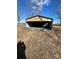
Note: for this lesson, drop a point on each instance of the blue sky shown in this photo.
(51, 10)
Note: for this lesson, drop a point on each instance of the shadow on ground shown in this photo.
(21, 50)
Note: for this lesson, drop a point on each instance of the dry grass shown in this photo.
(57, 30)
(40, 43)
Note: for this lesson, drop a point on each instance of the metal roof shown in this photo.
(39, 18)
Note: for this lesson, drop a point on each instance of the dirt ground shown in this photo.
(40, 43)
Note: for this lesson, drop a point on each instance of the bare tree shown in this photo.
(18, 18)
(57, 10)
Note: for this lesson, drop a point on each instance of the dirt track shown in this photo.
(40, 43)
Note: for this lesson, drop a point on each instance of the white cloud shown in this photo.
(37, 5)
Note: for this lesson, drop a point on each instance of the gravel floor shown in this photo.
(40, 43)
